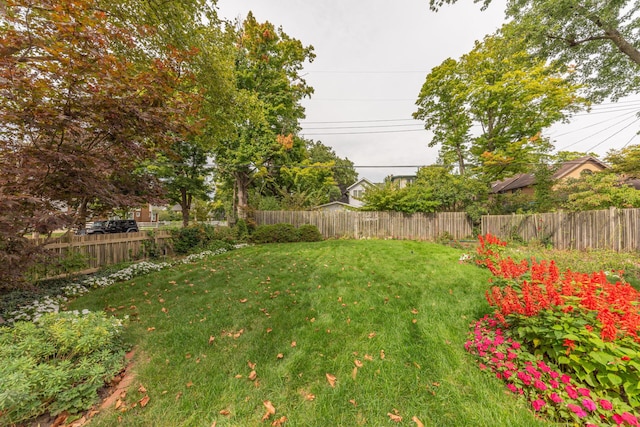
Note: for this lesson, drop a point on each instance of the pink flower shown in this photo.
(515, 345)
(554, 374)
(512, 387)
(543, 366)
(507, 374)
(554, 383)
(589, 404)
(577, 410)
(565, 378)
(631, 419)
(555, 397)
(584, 392)
(483, 366)
(524, 377)
(606, 405)
(500, 356)
(571, 392)
(511, 355)
(538, 404)
(540, 385)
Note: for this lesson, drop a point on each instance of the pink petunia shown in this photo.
(555, 397)
(565, 378)
(606, 405)
(538, 404)
(515, 345)
(540, 385)
(577, 410)
(589, 404)
(571, 392)
(554, 383)
(631, 419)
(512, 387)
(584, 392)
(554, 374)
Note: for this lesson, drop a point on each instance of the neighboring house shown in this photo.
(402, 180)
(525, 183)
(357, 190)
(147, 213)
(353, 198)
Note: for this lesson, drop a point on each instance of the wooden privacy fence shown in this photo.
(105, 249)
(616, 229)
(380, 225)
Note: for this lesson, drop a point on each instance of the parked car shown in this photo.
(113, 226)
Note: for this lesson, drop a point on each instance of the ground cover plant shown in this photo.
(566, 341)
(340, 333)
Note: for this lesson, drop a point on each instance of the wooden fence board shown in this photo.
(614, 229)
(378, 225)
(107, 249)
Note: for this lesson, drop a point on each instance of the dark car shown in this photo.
(113, 226)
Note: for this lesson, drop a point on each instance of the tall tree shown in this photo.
(625, 161)
(269, 91)
(344, 172)
(602, 39)
(78, 114)
(509, 95)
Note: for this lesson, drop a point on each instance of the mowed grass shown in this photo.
(300, 311)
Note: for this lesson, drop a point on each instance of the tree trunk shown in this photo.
(460, 155)
(185, 205)
(81, 214)
(242, 189)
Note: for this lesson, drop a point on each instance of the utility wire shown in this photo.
(605, 140)
(600, 131)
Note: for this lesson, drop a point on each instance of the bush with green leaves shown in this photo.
(285, 233)
(199, 237)
(309, 233)
(57, 363)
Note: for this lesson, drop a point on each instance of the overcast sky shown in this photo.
(371, 61)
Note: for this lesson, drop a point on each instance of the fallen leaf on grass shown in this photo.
(189, 384)
(225, 412)
(243, 300)
(251, 365)
(143, 402)
(211, 339)
(417, 421)
(279, 356)
(414, 321)
(178, 395)
(331, 379)
(270, 410)
(382, 355)
(238, 376)
(151, 329)
(414, 311)
(215, 423)
(394, 417)
(253, 375)
(164, 310)
(269, 330)
(160, 300)
(187, 356)
(309, 397)
(372, 334)
(368, 357)
(279, 421)
(353, 402)
(354, 373)
(141, 389)
(358, 363)
(293, 343)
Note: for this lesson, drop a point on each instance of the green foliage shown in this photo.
(625, 161)
(410, 199)
(344, 172)
(309, 233)
(511, 95)
(199, 237)
(609, 368)
(600, 39)
(598, 191)
(286, 233)
(57, 364)
(241, 229)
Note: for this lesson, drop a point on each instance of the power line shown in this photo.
(601, 142)
(360, 121)
(362, 127)
(600, 131)
(590, 126)
(362, 133)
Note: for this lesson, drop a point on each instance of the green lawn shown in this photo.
(398, 309)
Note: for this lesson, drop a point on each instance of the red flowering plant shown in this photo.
(587, 327)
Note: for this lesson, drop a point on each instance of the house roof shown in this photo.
(360, 181)
(346, 205)
(527, 179)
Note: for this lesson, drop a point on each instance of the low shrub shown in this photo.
(309, 233)
(57, 364)
(199, 236)
(286, 233)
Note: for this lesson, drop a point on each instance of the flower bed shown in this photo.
(53, 303)
(567, 342)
